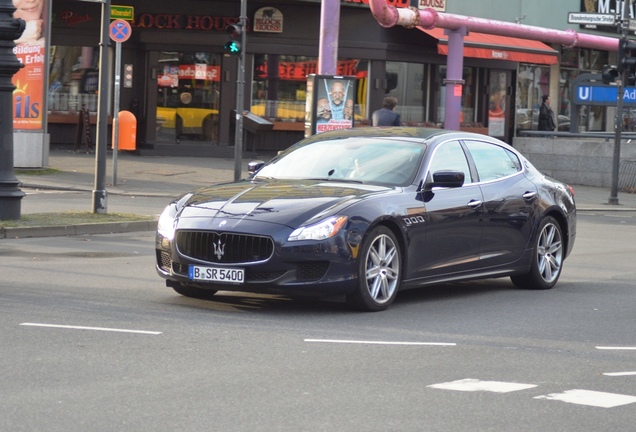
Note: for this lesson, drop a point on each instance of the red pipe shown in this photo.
(389, 16)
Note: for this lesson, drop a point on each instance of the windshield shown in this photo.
(357, 159)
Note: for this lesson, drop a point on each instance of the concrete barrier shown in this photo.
(582, 161)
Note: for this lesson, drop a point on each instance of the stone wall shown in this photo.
(582, 161)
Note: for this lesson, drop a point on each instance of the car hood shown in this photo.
(290, 203)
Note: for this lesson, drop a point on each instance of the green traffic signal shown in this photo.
(232, 47)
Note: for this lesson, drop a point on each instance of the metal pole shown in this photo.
(116, 109)
(10, 30)
(329, 33)
(99, 191)
(613, 199)
(454, 77)
(240, 88)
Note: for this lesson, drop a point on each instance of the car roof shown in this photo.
(404, 132)
(383, 132)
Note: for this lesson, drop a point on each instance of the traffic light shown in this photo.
(626, 56)
(234, 45)
(609, 74)
(128, 76)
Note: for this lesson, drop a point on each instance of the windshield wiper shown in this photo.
(331, 179)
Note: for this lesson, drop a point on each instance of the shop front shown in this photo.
(184, 85)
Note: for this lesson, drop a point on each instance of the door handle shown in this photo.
(474, 203)
(529, 195)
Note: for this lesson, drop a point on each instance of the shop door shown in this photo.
(188, 90)
(499, 104)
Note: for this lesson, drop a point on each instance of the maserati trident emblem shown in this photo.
(219, 249)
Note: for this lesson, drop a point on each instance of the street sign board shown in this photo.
(120, 30)
(603, 95)
(122, 12)
(591, 18)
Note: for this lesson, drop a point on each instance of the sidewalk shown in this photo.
(136, 175)
(169, 177)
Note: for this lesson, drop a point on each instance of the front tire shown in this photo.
(194, 292)
(379, 271)
(547, 260)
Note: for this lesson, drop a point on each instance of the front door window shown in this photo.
(188, 85)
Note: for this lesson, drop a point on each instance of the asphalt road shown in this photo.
(92, 340)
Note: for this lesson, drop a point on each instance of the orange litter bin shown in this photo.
(127, 139)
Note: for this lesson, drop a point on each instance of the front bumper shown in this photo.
(314, 268)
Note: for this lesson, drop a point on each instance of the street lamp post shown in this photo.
(240, 86)
(99, 191)
(10, 30)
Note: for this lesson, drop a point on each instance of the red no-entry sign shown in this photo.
(120, 30)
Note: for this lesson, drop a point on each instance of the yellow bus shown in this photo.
(188, 97)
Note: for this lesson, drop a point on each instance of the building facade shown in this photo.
(181, 85)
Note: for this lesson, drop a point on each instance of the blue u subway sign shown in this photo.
(603, 95)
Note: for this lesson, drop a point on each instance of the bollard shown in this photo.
(127, 134)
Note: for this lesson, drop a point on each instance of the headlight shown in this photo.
(165, 227)
(320, 231)
(167, 220)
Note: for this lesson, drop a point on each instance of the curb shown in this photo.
(80, 229)
(109, 192)
(609, 208)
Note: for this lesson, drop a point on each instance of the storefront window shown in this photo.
(498, 105)
(591, 118)
(533, 81)
(188, 96)
(279, 86)
(73, 78)
(405, 81)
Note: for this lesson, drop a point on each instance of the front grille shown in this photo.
(224, 248)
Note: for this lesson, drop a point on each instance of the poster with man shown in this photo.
(332, 102)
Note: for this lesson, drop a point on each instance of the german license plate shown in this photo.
(216, 274)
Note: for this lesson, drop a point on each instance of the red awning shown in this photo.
(487, 46)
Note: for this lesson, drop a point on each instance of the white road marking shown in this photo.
(619, 373)
(379, 342)
(615, 348)
(590, 398)
(471, 385)
(91, 328)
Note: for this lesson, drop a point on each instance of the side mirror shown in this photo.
(254, 166)
(447, 179)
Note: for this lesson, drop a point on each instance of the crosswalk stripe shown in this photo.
(590, 398)
(471, 385)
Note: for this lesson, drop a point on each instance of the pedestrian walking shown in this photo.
(385, 116)
(546, 116)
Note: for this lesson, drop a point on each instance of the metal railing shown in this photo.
(607, 135)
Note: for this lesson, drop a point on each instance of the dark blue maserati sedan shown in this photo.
(367, 212)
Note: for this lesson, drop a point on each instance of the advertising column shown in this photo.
(29, 102)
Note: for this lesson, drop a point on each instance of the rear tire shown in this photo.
(547, 260)
(194, 292)
(379, 271)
